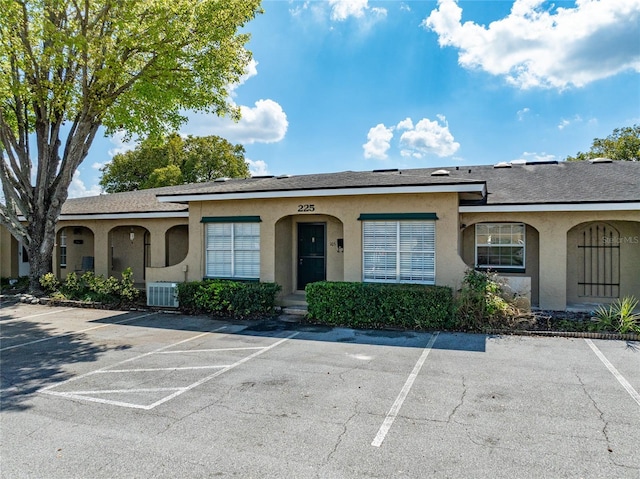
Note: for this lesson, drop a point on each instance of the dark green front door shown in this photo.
(311, 253)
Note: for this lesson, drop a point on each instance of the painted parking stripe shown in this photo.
(75, 332)
(625, 384)
(210, 350)
(177, 391)
(135, 358)
(145, 370)
(222, 371)
(35, 315)
(395, 409)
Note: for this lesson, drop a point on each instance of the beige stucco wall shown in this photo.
(8, 254)
(278, 230)
(553, 228)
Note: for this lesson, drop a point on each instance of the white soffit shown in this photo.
(456, 188)
(633, 206)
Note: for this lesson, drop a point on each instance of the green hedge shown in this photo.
(228, 298)
(376, 305)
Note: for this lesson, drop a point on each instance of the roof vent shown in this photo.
(518, 162)
(547, 162)
(280, 177)
(502, 164)
(388, 170)
(440, 173)
(601, 160)
(261, 177)
(221, 180)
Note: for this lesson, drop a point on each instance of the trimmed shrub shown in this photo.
(228, 298)
(376, 305)
(90, 287)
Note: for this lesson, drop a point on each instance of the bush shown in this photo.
(228, 298)
(480, 303)
(619, 316)
(90, 287)
(376, 305)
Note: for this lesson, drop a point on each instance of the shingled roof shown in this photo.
(506, 184)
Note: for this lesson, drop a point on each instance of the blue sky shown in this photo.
(359, 85)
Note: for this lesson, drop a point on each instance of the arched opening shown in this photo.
(129, 247)
(177, 244)
(308, 248)
(602, 261)
(510, 249)
(74, 250)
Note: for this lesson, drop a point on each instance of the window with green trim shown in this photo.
(500, 245)
(399, 251)
(233, 250)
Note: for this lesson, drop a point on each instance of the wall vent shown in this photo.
(163, 294)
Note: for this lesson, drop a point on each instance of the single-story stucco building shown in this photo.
(565, 234)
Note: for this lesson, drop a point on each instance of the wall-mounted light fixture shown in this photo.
(132, 235)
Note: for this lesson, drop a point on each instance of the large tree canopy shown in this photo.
(173, 161)
(623, 144)
(69, 66)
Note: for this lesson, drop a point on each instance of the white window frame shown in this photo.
(511, 244)
(234, 248)
(398, 254)
(63, 248)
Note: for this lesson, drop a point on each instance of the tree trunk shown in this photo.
(40, 249)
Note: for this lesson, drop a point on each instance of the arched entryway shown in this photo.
(129, 247)
(74, 250)
(602, 261)
(308, 248)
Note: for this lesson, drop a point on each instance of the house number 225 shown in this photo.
(306, 208)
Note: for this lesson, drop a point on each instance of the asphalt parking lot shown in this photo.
(104, 394)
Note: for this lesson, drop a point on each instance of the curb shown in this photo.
(567, 334)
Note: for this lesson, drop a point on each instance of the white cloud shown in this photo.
(250, 71)
(257, 167)
(539, 45)
(522, 114)
(565, 123)
(378, 143)
(121, 144)
(532, 156)
(406, 124)
(343, 9)
(428, 137)
(77, 188)
(266, 122)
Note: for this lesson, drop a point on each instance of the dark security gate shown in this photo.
(599, 254)
(311, 253)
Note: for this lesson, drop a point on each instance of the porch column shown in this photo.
(102, 250)
(553, 267)
(268, 249)
(157, 248)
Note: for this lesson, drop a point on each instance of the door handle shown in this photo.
(300, 262)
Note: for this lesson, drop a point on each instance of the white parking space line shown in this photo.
(210, 350)
(161, 369)
(135, 358)
(625, 384)
(395, 409)
(35, 316)
(176, 391)
(222, 371)
(74, 332)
